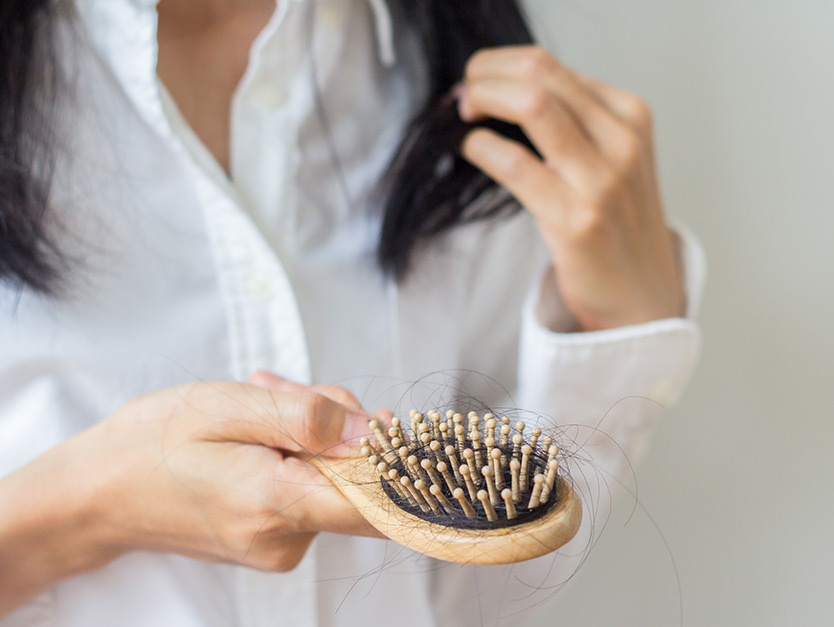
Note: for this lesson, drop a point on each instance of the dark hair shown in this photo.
(427, 189)
(28, 79)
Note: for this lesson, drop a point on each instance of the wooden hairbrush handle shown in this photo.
(361, 485)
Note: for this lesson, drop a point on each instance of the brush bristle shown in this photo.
(465, 472)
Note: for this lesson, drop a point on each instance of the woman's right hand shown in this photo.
(214, 471)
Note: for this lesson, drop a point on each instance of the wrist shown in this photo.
(52, 526)
(549, 308)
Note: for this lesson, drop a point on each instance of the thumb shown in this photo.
(296, 422)
(272, 381)
(316, 424)
(268, 380)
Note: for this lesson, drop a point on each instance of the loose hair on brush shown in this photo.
(427, 189)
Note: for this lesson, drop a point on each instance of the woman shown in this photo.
(212, 170)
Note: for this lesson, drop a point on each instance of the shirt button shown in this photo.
(260, 287)
(664, 391)
(268, 94)
(329, 15)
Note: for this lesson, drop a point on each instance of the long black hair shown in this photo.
(427, 190)
(28, 79)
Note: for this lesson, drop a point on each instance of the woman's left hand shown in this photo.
(593, 192)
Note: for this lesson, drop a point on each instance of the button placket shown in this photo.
(268, 93)
(260, 287)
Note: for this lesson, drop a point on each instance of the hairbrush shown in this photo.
(466, 490)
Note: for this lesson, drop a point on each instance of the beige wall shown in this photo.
(741, 476)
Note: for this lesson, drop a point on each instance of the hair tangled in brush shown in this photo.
(471, 490)
(466, 473)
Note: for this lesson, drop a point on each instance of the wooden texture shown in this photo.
(360, 484)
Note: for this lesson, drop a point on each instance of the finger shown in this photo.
(500, 61)
(336, 393)
(316, 503)
(629, 108)
(280, 554)
(293, 421)
(339, 394)
(512, 165)
(268, 380)
(272, 381)
(598, 113)
(548, 123)
(384, 415)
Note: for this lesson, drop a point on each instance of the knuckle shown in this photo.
(589, 223)
(630, 147)
(608, 188)
(538, 63)
(288, 555)
(280, 560)
(476, 142)
(287, 561)
(237, 537)
(476, 60)
(640, 113)
(515, 164)
(312, 404)
(341, 395)
(314, 411)
(536, 102)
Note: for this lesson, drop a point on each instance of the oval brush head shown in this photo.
(461, 489)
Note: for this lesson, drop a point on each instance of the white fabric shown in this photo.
(185, 274)
(384, 32)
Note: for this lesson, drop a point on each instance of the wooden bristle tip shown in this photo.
(466, 471)
(515, 482)
(484, 498)
(550, 478)
(489, 480)
(437, 493)
(465, 504)
(507, 495)
(421, 487)
(538, 482)
(467, 478)
(496, 463)
(454, 480)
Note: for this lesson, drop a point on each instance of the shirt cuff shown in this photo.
(547, 304)
(614, 380)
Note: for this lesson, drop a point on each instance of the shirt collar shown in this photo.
(124, 33)
(383, 23)
(383, 27)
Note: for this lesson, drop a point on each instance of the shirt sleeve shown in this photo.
(601, 393)
(606, 389)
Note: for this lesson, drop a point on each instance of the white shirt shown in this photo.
(183, 273)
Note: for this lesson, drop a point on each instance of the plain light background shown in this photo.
(739, 478)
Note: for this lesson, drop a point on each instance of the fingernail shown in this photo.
(459, 93)
(265, 379)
